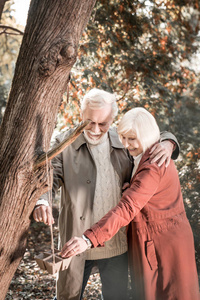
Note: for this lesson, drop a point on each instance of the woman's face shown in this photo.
(130, 141)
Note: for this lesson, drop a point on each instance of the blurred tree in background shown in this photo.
(148, 54)
(9, 48)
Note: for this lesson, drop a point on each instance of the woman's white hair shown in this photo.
(97, 99)
(140, 122)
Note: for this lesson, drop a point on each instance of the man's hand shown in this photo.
(43, 213)
(73, 247)
(161, 153)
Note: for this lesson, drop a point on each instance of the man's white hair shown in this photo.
(140, 122)
(97, 99)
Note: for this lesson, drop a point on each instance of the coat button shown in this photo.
(82, 218)
(88, 181)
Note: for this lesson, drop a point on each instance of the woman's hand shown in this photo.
(161, 153)
(125, 186)
(73, 247)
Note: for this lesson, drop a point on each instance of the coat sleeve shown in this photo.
(142, 189)
(165, 135)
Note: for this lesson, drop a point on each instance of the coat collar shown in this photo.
(146, 155)
(144, 158)
(79, 141)
(112, 135)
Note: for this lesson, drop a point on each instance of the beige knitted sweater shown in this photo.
(107, 195)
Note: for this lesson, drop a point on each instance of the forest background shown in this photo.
(148, 54)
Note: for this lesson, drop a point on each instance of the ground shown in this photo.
(30, 282)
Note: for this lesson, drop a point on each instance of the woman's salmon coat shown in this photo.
(161, 245)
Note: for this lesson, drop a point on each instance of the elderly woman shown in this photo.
(160, 239)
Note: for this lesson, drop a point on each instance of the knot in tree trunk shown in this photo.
(59, 53)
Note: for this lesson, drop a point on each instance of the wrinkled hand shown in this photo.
(43, 213)
(73, 247)
(161, 153)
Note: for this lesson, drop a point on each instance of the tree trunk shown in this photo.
(47, 54)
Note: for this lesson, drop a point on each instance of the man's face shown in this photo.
(101, 119)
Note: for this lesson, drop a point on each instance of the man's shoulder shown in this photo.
(113, 130)
(113, 133)
(114, 138)
(63, 135)
(75, 144)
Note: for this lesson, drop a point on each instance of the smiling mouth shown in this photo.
(94, 136)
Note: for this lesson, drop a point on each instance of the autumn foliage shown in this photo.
(146, 52)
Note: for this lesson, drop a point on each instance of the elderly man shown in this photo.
(91, 172)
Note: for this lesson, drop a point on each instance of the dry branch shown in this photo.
(6, 28)
(60, 147)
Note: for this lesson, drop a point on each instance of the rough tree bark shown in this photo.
(48, 51)
(5, 28)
